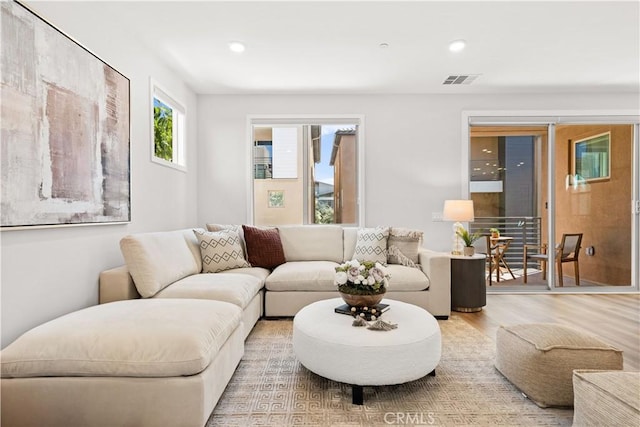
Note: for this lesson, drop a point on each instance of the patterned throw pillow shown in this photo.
(407, 243)
(233, 227)
(220, 250)
(264, 247)
(399, 258)
(371, 245)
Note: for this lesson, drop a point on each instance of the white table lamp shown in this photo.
(458, 211)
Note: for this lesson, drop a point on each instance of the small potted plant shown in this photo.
(468, 240)
(495, 233)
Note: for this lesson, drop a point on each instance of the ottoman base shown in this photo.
(357, 394)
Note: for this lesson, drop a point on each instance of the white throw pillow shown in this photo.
(220, 250)
(371, 245)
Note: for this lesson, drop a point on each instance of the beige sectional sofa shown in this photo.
(167, 338)
(169, 265)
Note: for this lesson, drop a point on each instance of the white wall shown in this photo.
(413, 146)
(50, 272)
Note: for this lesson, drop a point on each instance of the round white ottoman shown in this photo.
(327, 344)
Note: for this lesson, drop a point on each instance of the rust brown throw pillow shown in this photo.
(264, 247)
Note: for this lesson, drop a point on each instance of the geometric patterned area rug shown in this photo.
(271, 388)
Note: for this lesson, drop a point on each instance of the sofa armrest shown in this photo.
(437, 267)
(117, 284)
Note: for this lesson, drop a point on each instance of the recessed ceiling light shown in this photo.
(236, 47)
(383, 45)
(457, 45)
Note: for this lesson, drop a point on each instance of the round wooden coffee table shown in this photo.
(327, 344)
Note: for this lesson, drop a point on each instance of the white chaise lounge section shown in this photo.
(148, 362)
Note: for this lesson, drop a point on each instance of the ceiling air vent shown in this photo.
(464, 79)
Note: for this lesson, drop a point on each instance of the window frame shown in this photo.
(298, 120)
(179, 140)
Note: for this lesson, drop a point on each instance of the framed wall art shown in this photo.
(65, 129)
(592, 158)
(276, 198)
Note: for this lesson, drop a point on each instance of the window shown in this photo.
(167, 129)
(306, 172)
(591, 158)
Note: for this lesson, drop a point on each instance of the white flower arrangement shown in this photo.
(366, 277)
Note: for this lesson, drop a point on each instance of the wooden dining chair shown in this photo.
(499, 248)
(567, 251)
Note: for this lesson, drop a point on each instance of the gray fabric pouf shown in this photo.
(539, 359)
(606, 398)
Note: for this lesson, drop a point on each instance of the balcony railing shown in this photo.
(262, 167)
(524, 230)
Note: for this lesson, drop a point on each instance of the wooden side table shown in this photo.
(468, 286)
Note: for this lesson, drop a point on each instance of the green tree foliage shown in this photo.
(163, 130)
(324, 213)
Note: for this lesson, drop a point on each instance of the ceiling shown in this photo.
(330, 47)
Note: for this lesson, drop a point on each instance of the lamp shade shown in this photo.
(458, 210)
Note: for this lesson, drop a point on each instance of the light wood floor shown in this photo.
(615, 318)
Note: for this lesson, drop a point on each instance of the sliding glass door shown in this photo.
(559, 194)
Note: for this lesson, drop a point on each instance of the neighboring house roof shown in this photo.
(323, 189)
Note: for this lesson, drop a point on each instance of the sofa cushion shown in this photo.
(303, 276)
(233, 227)
(258, 272)
(155, 260)
(237, 289)
(350, 236)
(407, 242)
(133, 338)
(264, 247)
(371, 245)
(312, 242)
(220, 250)
(406, 278)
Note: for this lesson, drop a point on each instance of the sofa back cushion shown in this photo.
(350, 237)
(156, 260)
(312, 242)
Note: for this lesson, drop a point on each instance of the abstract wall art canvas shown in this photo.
(65, 131)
